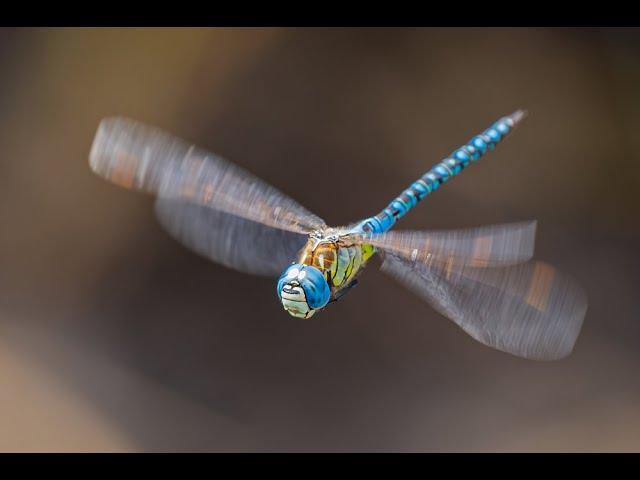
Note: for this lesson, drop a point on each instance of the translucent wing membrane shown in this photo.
(140, 157)
(476, 247)
(232, 241)
(530, 310)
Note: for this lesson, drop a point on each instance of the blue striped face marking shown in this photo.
(302, 289)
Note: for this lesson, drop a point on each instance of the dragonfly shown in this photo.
(484, 279)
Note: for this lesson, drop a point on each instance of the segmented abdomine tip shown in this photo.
(518, 116)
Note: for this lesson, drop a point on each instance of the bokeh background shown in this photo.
(113, 337)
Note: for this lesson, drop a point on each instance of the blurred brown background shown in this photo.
(113, 337)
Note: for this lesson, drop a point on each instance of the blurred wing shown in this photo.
(493, 245)
(144, 158)
(232, 241)
(530, 310)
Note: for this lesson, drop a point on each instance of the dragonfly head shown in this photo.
(302, 289)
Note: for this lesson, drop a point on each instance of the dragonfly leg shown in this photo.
(344, 290)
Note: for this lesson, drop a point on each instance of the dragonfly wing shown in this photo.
(141, 157)
(227, 239)
(530, 310)
(478, 247)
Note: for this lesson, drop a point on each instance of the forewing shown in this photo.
(493, 245)
(530, 310)
(227, 239)
(145, 158)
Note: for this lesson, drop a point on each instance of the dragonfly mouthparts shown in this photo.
(290, 287)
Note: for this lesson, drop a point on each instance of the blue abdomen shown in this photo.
(441, 173)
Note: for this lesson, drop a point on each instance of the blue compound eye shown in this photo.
(312, 282)
(315, 287)
(290, 273)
